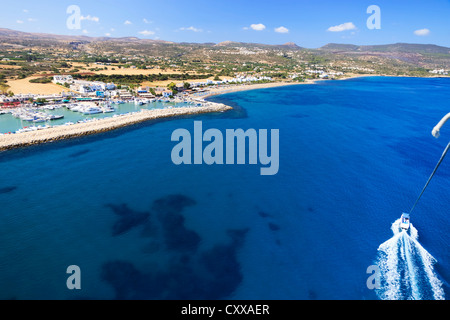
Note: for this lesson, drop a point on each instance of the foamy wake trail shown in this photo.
(406, 268)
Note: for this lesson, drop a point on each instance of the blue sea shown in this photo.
(354, 155)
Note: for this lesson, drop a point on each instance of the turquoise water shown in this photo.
(8, 123)
(354, 154)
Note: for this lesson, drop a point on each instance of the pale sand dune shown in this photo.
(24, 86)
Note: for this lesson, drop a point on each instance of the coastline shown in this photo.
(246, 87)
(13, 141)
(24, 139)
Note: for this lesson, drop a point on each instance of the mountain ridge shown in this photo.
(16, 35)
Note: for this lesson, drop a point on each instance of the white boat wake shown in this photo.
(406, 268)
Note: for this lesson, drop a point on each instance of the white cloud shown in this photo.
(25, 10)
(147, 32)
(147, 21)
(19, 21)
(89, 18)
(282, 30)
(258, 27)
(108, 34)
(342, 27)
(32, 20)
(422, 32)
(112, 29)
(191, 28)
(85, 31)
(127, 22)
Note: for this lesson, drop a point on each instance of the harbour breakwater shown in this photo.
(56, 133)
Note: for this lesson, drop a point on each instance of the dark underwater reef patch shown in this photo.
(273, 226)
(7, 189)
(168, 212)
(176, 235)
(130, 283)
(312, 295)
(263, 214)
(190, 273)
(169, 221)
(212, 274)
(128, 218)
(173, 203)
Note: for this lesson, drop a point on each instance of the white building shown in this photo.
(62, 79)
(85, 87)
(439, 71)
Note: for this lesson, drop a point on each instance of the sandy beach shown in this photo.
(244, 87)
(11, 141)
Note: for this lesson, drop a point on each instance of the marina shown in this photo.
(30, 118)
(89, 121)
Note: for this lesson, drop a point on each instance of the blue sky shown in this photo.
(309, 23)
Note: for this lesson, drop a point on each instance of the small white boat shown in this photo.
(108, 109)
(404, 222)
(92, 110)
(76, 108)
(55, 117)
